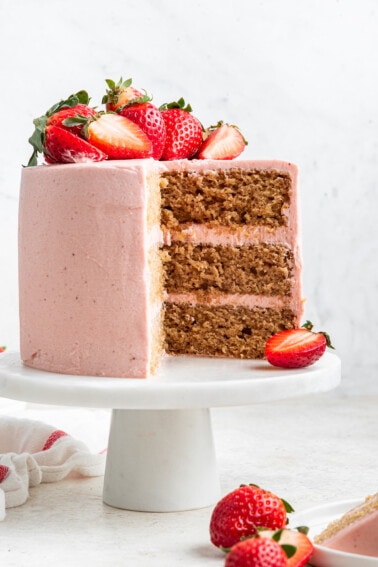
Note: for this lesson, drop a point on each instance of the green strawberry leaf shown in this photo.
(180, 103)
(290, 550)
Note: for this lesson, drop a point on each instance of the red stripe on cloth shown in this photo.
(55, 435)
(4, 470)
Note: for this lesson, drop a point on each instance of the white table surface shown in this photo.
(309, 450)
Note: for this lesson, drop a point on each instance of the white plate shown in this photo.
(317, 519)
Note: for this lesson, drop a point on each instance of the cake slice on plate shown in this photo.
(356, 531)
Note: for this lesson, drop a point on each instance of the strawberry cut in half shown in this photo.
(296, 348)
(150, 119)
(62, 146)
(118, 137)
(223, 142)
(295, 542)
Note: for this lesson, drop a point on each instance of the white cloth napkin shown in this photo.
(32, 452)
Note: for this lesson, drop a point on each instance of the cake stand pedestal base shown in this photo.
(161, 460)
(161, 454)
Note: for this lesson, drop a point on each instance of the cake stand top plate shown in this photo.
(182, 383)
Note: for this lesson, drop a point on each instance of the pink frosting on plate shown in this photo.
(360, 537)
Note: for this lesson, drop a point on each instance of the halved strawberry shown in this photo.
(184, 131)
(62, 146)
(121, 93)
(3, 348)
(223, 142)
(37, 139)
(296, 348)
(150, 119)
(118, 137)
(295, 542)
(58, 118)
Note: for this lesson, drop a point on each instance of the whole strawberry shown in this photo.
(3, 348)
(241, 512)
(58, 118)
(296, 348)
(256, 552)
(120, 93)
(149, 118)
(184, 131)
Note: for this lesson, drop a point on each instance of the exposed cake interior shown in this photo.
(356, 531)
(231, 259)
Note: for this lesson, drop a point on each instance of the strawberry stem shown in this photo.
(180, 103)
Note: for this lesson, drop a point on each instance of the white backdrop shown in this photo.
(300, 80)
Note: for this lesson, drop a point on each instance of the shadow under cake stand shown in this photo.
(161, 454)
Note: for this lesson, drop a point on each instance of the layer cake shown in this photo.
(122, 261)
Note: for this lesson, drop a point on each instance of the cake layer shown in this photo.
(237, 197)
(222, 330)
(264, 269)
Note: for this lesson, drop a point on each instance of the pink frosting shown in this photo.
(83, 277)
(360, 537)
(83, 272)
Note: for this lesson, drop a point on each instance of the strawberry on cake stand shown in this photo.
(161, 454)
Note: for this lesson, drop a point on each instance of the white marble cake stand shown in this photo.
(161, 453)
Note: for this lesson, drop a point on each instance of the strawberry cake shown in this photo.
(356, 531)
(125, 256)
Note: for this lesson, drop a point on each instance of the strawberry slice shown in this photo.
(62, 146)
(296, 348)
(118, 137)
(295, 542)
(223, 142)
(81, 110)
(150, 119)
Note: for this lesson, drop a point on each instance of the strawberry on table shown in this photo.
(301, 546)
(121, 93)
(150, 119)
(118, 137)
(256, 552)
(241, 512)
(184, 131)
(62, 146)
(296, 348)
(222, 142)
